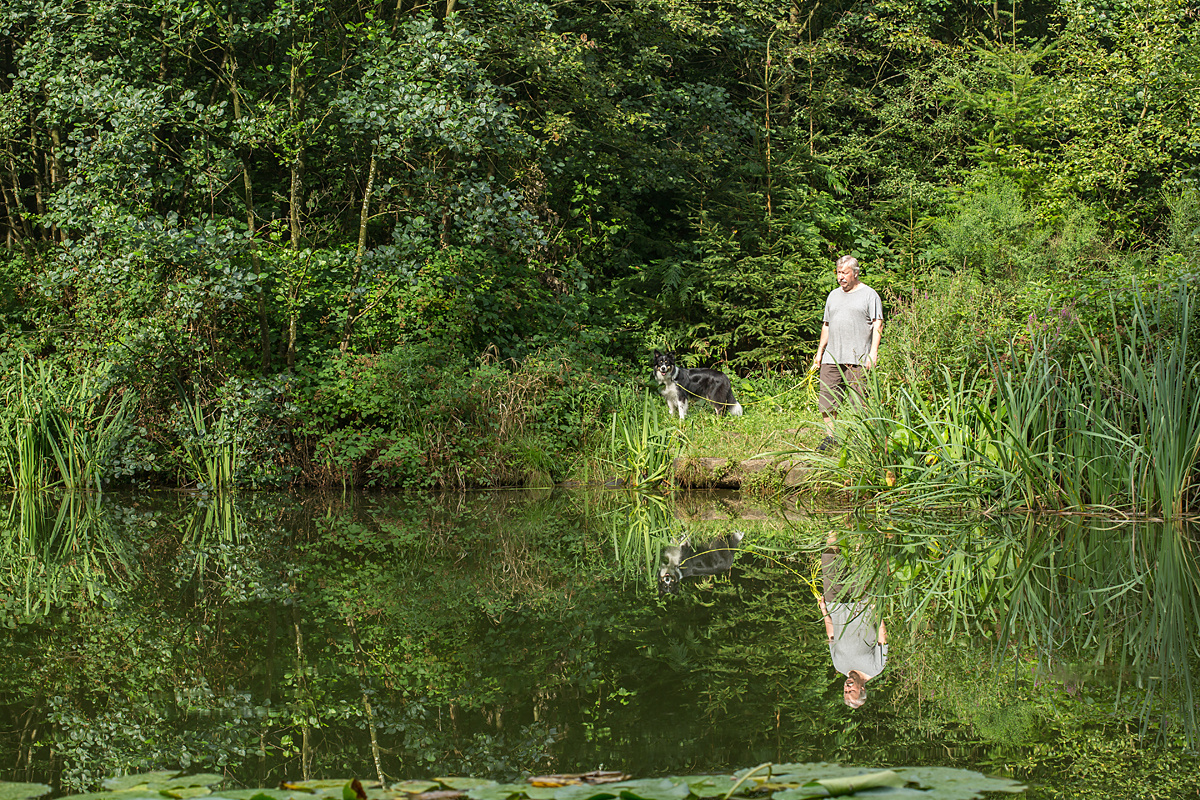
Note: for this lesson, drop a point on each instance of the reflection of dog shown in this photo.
(682, 385)
(684, 561)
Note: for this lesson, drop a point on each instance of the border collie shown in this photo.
(681, 385)
(683, 560)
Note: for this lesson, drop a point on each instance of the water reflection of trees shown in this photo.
(293, 636)
(1119, 600)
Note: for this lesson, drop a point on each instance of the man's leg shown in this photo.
(833, 390)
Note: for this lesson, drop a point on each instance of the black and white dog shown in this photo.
(681, 386)
(683, 561)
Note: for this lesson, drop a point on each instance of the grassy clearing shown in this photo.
(644, 441)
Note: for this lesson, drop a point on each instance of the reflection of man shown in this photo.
(849, 343)
(858, 648)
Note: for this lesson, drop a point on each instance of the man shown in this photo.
(857, 646)
(849, 344)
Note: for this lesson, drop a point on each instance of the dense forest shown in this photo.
(344, 240)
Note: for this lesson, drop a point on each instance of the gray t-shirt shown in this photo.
(849, 316)
(855, 642)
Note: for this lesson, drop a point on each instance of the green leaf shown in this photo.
(851, 784)
(415, 787)
(653, 789)
(22, 791)
(465, 784)
(185, 792)
(143, 780)
(500, 791)
(583, 792)
(709, 785)
(948, 783)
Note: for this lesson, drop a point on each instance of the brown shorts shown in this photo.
(835, 379)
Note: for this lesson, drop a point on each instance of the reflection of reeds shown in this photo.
(638, 530)
(59, 433)
(1117, 597)
(57, 554)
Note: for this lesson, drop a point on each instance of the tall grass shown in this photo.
(1118, 429)
(643, 442)
(211, 453)
(58, 432)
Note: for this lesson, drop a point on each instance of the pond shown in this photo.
(285, 636)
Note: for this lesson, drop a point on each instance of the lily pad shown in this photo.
(465, 784)
(653, 789)
(499, 791)
(22, 791)
(414, 787)
(124, 794)
(185, 792)
(948, 783)
(709, 785)
(584, 792)
(142, 780)
(257, 794)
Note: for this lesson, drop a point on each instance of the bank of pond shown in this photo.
(267, 637)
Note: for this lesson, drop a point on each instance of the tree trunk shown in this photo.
(363, 218)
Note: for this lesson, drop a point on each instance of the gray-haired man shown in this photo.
(849, 344)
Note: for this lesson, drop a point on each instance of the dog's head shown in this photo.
(664, 366)
(668, 579)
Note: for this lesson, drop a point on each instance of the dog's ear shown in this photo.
(657, 354)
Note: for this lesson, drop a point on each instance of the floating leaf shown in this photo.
(948, 783)
(256, 794)
(22, 791)
(353, 790)
(143, 780)
(853, 783)
(185, 792)
(465, 784)
(709, 785)
(499, 791)
(414, 787)
(654, 789)
(584, 792)
(124, 794)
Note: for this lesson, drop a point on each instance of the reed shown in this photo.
(642, 442)
(211, 455)
(56, 433)
(1117, 430)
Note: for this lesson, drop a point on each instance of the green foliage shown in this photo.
(994, 234)
(428, 416)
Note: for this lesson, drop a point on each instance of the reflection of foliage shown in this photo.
(493, 634)
(1122, 597)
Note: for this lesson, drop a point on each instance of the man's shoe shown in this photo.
(827, 444)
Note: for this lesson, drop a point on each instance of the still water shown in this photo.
(282, 636)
